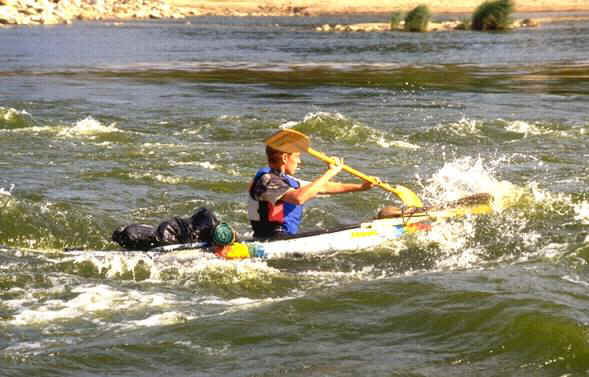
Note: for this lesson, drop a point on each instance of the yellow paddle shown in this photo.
(291, 141)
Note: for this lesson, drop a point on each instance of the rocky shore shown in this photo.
(47, 12)
(371, 7)
(432, 26)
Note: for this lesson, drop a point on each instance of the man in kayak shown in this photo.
(276, 197)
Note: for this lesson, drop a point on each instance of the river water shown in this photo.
(106, 124)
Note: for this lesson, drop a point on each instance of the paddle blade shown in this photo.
(408, 197)
(477, 204)
(288, 141)
(473, 200)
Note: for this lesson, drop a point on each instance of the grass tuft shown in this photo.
(493, 15)
(396, 19)
(418, 19)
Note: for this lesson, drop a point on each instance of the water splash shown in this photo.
(524, 224)
(157, 177)
(467, 130)
(329, 126)
(526, 128)
(464, 127)
(582, 212)
(180, 266)
(13, 118)
(335, 127)
(162, 319)
(88, 299)
(88, 128)
(467, 176)
(8, 192)
(203, 164)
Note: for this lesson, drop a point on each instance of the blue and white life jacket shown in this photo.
(274, 219)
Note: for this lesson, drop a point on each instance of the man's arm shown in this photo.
(338, 187)
(311, 190)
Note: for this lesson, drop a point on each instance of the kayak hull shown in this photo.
(365, 235)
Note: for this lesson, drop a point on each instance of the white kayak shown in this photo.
(365, 235)
(362, 236)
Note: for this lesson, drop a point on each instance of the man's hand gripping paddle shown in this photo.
(291, 141)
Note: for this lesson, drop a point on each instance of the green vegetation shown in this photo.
(493, 15)
(418, 19)
(396, 19)
(465, 24)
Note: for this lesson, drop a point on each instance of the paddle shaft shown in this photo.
(289, 141)
(367, 178)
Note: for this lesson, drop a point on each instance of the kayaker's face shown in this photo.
(292, 163)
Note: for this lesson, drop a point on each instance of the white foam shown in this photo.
(203, 164)
(88, 127)
(159, 146)
(552, 250)
(223, 271)
(526, 128)
(375, 136)
(196, 132)
(242, 303)
(116, 264)
(582, 212)
(320, 115)
(10, 114)
(467, 176)
(452, 238)
(464, 127)
(8, 192)
(172, 180)
(575, 280)
(550, 200)
(23, 348)
(162, 319)
(90, 299)
(323, 114)
(207, 350)
(395, 143)
(337, 278)
(181, 264)
(289, 124)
